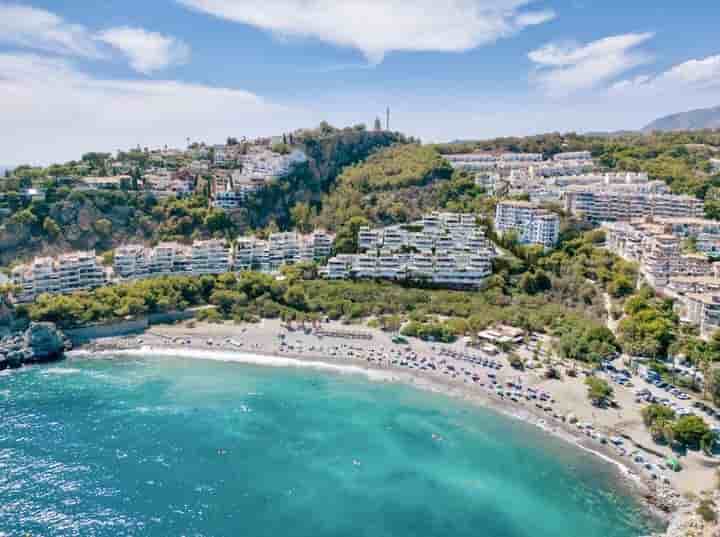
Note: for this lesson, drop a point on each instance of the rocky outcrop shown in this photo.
(45, 341)
(40, 343)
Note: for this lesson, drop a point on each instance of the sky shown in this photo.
(113, 74)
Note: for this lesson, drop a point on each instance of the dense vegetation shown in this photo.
(295, 199)
(687, 431)
(392, 185)
(104, 219)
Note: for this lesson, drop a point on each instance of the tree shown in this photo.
(217, 221)
(690, 431)
(599, 391)
(225, 301)
(714, 387)
(620, 286)
(303, 216)
(108, 258)
(346, 240)
(390, 323)
(51, 227)
(537, 282)
(295, 297)
(103, 227)
(655, 412)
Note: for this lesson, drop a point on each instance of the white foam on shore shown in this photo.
(241, 357)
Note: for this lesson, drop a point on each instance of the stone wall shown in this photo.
(78, 336)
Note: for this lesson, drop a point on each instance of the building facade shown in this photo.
(532, 224)
(67, 273)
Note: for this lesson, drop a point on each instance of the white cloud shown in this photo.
(147, 51)
(376, 27)
(56, 112)
(692, 75)
(38, 29)
(699, 73)
(566, 68)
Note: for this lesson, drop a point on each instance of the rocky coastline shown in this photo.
(39, 343)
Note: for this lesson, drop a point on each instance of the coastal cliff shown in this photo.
(40, 343)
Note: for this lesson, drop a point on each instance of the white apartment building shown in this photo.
(488, 181)
(521, 157)
(228, 199)
(532, 224)
(450, 249)
(445, 270)
(703, 310)
(281, 249)
(132, 261)
(210, 257)
(338, 267)
(555, 168)
(573, 155)
(67, 273)
(610, 206)
(439, 231)
(135, 261)
(472, 162)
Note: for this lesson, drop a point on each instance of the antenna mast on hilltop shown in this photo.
(387, 119)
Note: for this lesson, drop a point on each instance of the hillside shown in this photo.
(302, 191)
(702, 118)
(72, 219)
(396, 184)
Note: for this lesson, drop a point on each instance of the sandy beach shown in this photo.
(560, 407)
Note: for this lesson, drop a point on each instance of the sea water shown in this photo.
(152, 446)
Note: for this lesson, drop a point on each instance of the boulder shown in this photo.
(45, 341)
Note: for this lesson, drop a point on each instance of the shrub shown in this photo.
(706, 510)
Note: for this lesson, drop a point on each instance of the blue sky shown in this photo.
(109, 74)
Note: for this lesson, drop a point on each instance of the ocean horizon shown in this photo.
(160, 446)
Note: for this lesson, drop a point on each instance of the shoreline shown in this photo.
(660, 500)
(320, 363)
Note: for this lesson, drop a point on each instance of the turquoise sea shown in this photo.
(177, 447)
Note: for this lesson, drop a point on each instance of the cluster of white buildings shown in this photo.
(281, 249)
(63, 274)
(135, 261)
(666, 247)
(445, 249)
(257, 166)
(531, 223)
(531, 164)
(520, 172)
(573, 180)
(616, 205)
(81, 271)
(676, 256)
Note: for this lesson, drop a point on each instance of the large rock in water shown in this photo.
(45, 341)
